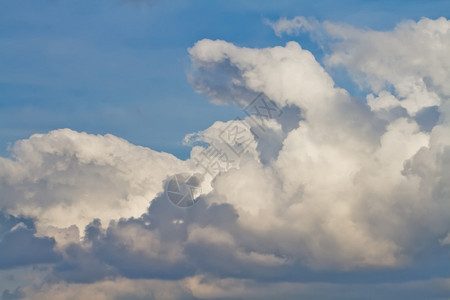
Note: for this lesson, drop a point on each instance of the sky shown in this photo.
(155, 149)
(120, 66)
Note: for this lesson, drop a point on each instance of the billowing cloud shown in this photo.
(412, 59)
(331, 188)
(68, 178)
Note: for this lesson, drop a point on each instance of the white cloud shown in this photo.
(355, 186)
(313, 178)
(66, 178)
(293, 26)
(412, 58)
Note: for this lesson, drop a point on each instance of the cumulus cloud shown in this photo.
(67, 178)
(413, 59)
(339, 188)
(337, 133)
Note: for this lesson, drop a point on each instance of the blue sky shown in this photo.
(342, 192)
(113, 66)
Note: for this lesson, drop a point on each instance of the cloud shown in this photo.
(120, 288)
(344, 172)
(412, 59)
(201, 287)
(293, 26)
(337, 133)
(351, 191)
(20, 246)
(67, 178)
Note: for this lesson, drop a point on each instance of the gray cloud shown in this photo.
(19, 246)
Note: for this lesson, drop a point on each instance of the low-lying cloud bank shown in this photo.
(336, 194)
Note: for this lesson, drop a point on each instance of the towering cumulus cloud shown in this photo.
(338, 193)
